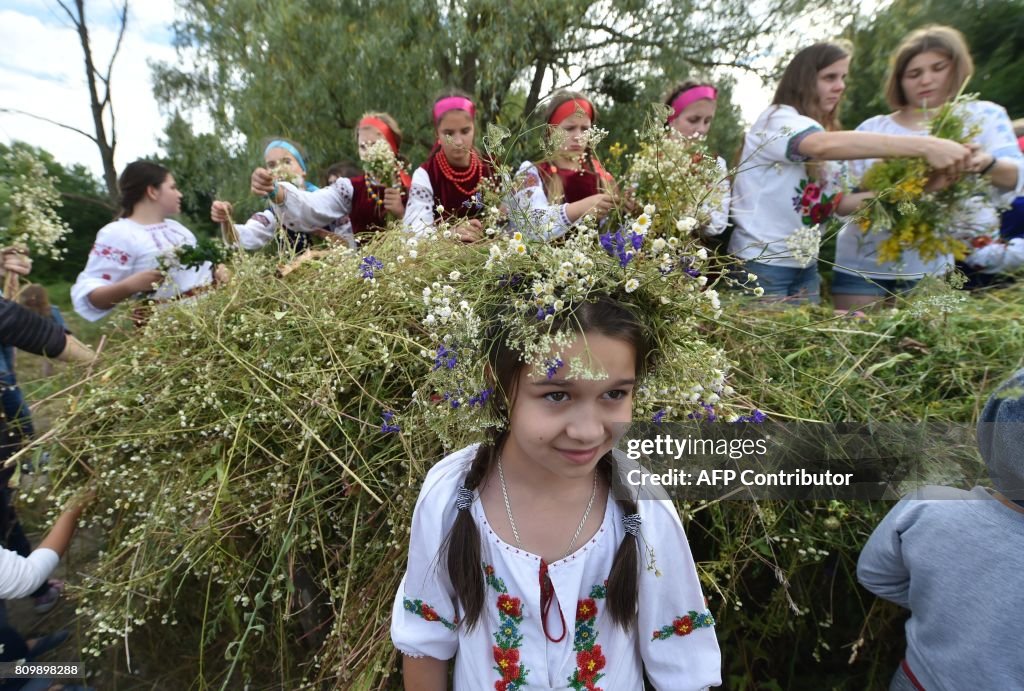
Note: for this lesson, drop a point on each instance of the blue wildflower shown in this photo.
(659, 416)
(388, 426)
(543, 312)
(480, 399)
(757, 417)
(445, 358)
(369, 265)
(692, 273)
(553, 365)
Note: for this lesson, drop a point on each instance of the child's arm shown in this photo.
(424, 673)
(881, 568)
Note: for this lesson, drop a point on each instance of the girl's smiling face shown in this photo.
(561, 427)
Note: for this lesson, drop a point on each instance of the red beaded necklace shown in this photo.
(474, 170)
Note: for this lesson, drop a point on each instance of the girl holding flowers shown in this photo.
(285, 164)
(929, 69)
(125, 258)
(355, 205)
(789, 181)
(693, 107)
(534, 561)
(570, 183)
(447, 186)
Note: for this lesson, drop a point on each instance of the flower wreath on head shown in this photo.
(528, 290)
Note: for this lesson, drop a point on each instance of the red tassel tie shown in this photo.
(547, 594)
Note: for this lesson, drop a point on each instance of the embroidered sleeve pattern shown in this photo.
(421, 194)
(590, 659)
(114, 254)
(793, 146)
(507, 638)
(685, 625)
(427, 613)
(544, 221)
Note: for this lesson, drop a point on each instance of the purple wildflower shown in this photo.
(369, 265)
(480, 399)
(757, 417)
(543, 312)
(553, 365)
(659, 416)
(445, 357)
(388, 427)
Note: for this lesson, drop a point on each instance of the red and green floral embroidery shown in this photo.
(421, 609)
(590, 659)
(684, 625)
(507, 638)
(811, 202)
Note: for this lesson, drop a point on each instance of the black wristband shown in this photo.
(990, 166)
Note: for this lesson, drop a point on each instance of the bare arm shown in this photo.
(62, 531)
(851, 203)
(424, 673)
(941, 154)
(106, 297)
(1001, 172)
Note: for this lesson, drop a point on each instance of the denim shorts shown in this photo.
(795, 284)
(853, 284)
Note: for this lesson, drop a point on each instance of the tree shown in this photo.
(994, 30)
(308, 70)
(104, 135)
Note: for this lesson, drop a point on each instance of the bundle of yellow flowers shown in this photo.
(914, 217)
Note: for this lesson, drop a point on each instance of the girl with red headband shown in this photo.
(350, 205)
(447, 186)
(693, 108)
(560, 190)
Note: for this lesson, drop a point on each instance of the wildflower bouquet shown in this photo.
(380, 163)
(32, 225)
(912, 217)
(195, 256)
(676, 174)
(528, 288)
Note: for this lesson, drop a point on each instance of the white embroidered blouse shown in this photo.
(673, 638)
(123, 248)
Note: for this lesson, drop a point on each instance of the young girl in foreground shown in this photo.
(446, 186)
(558, 191)
(352, 206)
(789, 181)
(525, 568)
(125, 258)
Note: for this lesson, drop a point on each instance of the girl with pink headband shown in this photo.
(559, 190)
(693, 108)
(447, 185)
(357, 205)
(790, 180)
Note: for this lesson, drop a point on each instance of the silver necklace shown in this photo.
(512, 521)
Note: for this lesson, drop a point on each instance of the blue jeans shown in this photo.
(852, 284)
(794, 285)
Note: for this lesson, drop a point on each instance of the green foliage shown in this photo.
(205, 169)
(308, 70)
(994, 30)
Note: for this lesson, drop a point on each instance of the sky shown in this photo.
(41, 71)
